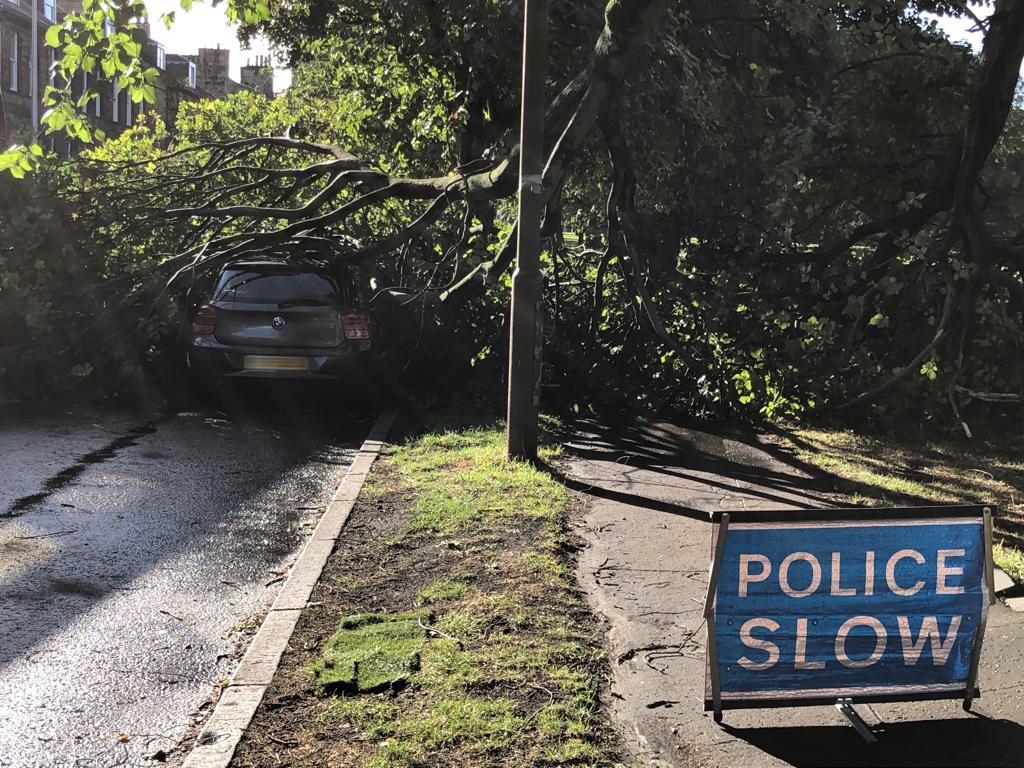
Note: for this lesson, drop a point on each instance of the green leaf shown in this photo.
(55, 120)
(53, 36)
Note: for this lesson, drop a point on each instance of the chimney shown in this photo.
(259, 77)
(212, 70)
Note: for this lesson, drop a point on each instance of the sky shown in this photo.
(207, 27)
(961, 29)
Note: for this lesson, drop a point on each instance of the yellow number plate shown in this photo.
(275, 363)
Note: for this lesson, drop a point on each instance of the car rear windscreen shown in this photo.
(275, 287)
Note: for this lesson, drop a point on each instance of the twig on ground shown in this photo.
(282, 742)
(437, 631)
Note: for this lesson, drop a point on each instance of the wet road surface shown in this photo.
(135, 550)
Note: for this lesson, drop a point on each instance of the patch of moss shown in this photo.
(372, 652)
(463, 481)
(441, 591)
(546, 565)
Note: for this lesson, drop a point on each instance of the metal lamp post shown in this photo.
(33, 83)
(526, 324)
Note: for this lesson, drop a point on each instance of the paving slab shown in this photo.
(1003, 582)
(650, 489)
(1015, 604)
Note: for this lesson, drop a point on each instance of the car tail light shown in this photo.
(205, 320)
(356, 325)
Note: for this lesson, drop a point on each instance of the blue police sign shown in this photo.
(811, 607)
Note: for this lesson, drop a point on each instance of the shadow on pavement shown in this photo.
(737, 454)
(978, 741)
(724, 456)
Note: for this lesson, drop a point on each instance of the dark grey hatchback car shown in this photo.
(275, 319)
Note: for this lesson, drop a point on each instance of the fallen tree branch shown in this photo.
(940, 332)
(989, 397)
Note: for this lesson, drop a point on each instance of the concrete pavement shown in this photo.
(644, 570)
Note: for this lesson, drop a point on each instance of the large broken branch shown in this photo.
(280, 194)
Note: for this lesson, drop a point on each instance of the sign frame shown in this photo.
(720, 528)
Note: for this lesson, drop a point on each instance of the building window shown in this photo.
(161, 57)
(191, 75)
(85, 87)
(14, 61)
(51, 78)
(115, 100)
(128, 109)
(98, 103)
(50, 9)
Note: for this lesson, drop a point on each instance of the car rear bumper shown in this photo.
(209, 357)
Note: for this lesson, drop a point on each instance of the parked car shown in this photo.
(281, 320)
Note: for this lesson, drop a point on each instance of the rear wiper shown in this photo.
(303, 303)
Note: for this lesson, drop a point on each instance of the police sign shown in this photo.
(811, 607)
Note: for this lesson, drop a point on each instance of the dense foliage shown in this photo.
(757, 206)
(70, 316)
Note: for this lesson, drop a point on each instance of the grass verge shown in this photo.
(876, 471)
(447, 629)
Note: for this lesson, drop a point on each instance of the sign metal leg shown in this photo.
(845, 707)
(709, 617)
(989, 597)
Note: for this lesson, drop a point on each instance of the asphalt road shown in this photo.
(135, 550)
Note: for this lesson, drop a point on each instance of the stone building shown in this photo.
(212, 67)
(16, 71)
(259, 76)
(182, 78)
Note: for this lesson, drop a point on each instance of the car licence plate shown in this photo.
(275, 363)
